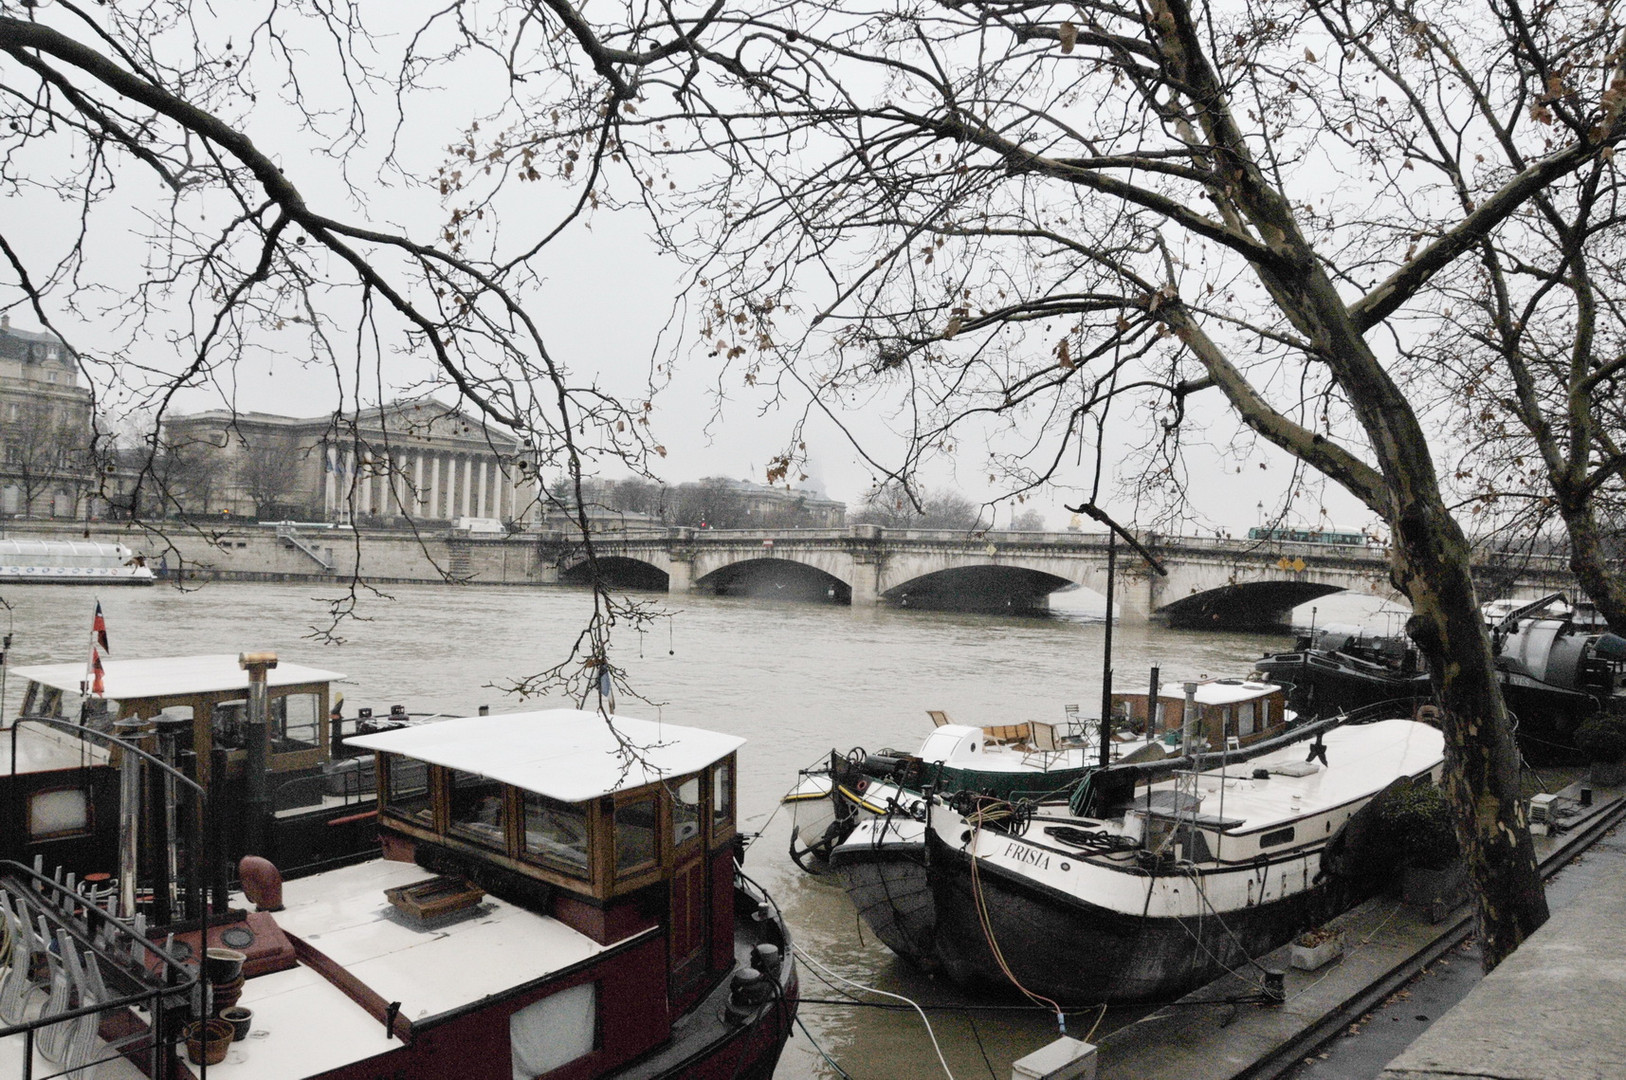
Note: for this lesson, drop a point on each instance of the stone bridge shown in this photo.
(1210, 582)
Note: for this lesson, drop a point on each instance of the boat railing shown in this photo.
(72, 966)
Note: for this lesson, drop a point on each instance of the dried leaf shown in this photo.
(1069, 36)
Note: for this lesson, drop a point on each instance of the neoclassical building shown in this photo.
(45, 428)
(417, 459)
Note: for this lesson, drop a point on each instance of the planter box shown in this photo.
(1608, 773)
(1310, 957)
(1439, 891)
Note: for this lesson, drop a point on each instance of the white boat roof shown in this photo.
(565, 754)
(45, 749)
(1219, 691)
(170, 676)
(1362, 759)
(304, 1026)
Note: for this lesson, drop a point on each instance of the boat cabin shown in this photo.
(210, 692)
(1231, 713)
(612, 826)
(60, 792)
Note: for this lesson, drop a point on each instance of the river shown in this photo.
(794, 680)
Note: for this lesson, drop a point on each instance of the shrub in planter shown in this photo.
(1603, 738)
(1418, 823)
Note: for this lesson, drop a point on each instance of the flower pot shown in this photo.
(207, 1041)
(223, 965)
(240, 1019)
(1309, 957)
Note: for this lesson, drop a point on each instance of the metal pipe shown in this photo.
(257, 733)
(1151, 705)
(132, 729)
(1189, 719)
(169, 729)
(1106, 664)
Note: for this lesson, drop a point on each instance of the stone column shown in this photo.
(480, 503)
(434, 486)
(468, 486)
(450, 507)
(417, 486)
(330, 483)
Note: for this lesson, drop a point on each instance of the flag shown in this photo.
(100, 629)
(96, 685)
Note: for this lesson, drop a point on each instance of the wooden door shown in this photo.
(689, 922)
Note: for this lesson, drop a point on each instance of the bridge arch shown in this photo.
(1249, 605)
(984, 587)
(776, 578)
(619, 572)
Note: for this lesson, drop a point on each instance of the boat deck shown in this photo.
(303, 1024)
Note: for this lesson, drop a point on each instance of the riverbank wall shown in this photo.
(261, 551)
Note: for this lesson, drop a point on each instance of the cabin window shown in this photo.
(686, 811)
(409, 790)
(634, 835)
(1277, 838)
(553, 1032)
(58, 813)
(556, 834)
(722, 796)
(296, 723)
(477, 808)
(229, 722)
(1245, 718)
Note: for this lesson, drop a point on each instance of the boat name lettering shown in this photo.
(1023, 853)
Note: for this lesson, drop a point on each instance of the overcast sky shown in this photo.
(604, 300)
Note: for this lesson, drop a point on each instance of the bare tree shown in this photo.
(142, 110)
(1534, 333)
(268, 471)
(41, 451)
(996, 222)
(895, 507)
(1004, 220)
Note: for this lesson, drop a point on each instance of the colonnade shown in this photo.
(420, 484)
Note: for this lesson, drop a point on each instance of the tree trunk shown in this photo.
(1587, 557)
(1431, 561)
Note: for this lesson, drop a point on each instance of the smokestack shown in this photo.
(257, 734)
(170, 728)
(1189, 720)
(131, 730)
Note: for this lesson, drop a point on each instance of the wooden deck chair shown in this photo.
(939, 717)
(1042, 741)
(1016, 735)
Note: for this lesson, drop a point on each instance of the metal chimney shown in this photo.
(131, 729)
(257, 729)
(1189, 721)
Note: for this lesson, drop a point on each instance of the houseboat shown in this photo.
(1190, 878)
(558, 898)
(291, 778)
(880, 855)
(1031, 760)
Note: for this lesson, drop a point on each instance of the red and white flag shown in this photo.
(99, 628)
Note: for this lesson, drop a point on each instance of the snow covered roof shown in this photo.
(565, 754)
(171, 676)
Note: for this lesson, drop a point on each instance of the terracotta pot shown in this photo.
(224, 965)
(208, 1041)
(240, 1019)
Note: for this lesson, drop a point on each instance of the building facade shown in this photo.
(415, 460)
(45, 427)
